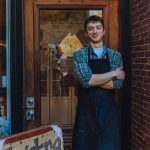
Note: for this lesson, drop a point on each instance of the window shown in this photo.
(4, 123)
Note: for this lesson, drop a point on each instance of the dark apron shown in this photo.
(97, 117)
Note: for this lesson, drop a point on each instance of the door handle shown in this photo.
(30, 108)
(30, 114)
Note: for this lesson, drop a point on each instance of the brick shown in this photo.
(140, 105)
(144, 60)
(147, 140)
(148, 73)
(135, 25)
(134, 143)
(136, 72)
(145, 21)
(135, 2)
(134, 66)
(146, 112)
(147, 54)
(146, 106)
(145, 35)
(143, 73)
(147, 118)
(144, 47)
(148, 126)
(137, 30)
(138, 96)
(147, 79)
(136, 60)
(139, 78)
(137, 107)
(145, 28)
(140, 54)
(141, 18)
(137, 37)
(147, 92)
(138, 90)
(134, 8)
(142, 122)
(140, 5)
(140, 132)
(140, 66)
(147, 41)
(140, 143)
(135, 49)
(146, 99)
(139, 84)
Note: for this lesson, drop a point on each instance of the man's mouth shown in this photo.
(95, 36)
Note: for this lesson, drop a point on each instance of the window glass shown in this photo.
(4, 123)
(61, 32)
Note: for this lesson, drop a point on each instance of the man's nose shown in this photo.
(95, 30)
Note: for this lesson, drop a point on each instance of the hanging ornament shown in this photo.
(70, 44)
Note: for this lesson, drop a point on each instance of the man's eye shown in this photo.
(90, 29)
(99, 28)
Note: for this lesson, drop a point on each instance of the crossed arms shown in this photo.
(86, 78)
(105, 80)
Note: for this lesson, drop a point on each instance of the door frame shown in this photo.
(31, 48)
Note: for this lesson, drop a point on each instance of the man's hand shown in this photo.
(119, 73)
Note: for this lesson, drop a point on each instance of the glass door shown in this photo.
(58, 86)
(48, 76)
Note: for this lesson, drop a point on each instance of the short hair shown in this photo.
(93, 18)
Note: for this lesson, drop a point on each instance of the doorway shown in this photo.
(48, 73)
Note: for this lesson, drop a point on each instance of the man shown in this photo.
(98, 71)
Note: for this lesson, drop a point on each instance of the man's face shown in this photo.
(95, 32)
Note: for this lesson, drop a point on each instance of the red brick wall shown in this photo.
(140, 43)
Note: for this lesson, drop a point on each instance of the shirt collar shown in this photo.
(94, 56)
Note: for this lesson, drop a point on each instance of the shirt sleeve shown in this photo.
(82, 72)
(117, 62)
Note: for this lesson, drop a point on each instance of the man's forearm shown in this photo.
(108, 85)
(101, 79)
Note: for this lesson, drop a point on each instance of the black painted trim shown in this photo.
(125, 47)
(16, 61)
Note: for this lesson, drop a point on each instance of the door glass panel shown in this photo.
(58, 86)
(3, 59)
